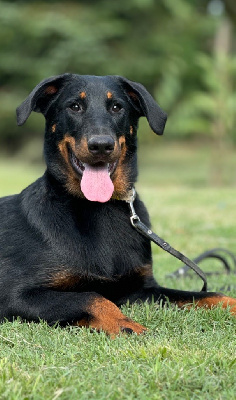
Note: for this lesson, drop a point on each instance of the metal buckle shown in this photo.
(134, 217)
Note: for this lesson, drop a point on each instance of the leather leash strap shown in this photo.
(147, 232)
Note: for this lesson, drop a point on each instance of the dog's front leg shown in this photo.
(87, 309)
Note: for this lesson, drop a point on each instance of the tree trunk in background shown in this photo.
(221, 50)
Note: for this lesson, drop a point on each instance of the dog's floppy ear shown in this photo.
(146, 105)
(41, 97)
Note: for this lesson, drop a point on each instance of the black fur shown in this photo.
(61, 253)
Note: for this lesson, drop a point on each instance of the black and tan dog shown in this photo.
(68, 252)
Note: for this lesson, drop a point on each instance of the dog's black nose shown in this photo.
(101, 145)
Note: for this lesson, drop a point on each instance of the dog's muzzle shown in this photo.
(96, 183)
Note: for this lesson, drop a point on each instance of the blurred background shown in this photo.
(182, 51)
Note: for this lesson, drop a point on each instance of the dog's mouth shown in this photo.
(96, 183)
(80, 166)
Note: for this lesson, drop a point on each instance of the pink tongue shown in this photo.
(96, 183)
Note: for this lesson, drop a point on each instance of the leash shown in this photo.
(220, 254)
(148, 233)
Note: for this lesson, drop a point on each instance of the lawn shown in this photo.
(190, 194)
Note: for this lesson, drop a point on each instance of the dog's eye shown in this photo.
(76, 107)
(116, 107)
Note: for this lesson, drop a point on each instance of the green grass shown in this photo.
(185, 354)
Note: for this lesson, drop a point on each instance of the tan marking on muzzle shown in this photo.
(72, 178)
(82, 152)
(63, 146)
(121, 174)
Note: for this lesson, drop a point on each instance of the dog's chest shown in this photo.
(103, 246)
(104, 258)
(95, 249)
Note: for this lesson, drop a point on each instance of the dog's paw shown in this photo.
(106, 316)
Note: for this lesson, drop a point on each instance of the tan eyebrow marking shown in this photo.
(82, 95)
(109, 95)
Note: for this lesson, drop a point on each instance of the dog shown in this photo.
(68, 252)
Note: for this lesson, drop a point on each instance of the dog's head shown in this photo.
(91, 125)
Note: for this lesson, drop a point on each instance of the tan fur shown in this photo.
(51, 90)
(54, 128)
(145, 270)
(107, 317)
(213, 301)
(121, 174)
(63, 280)
(73, 180)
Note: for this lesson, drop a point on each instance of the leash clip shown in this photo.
(134, 217)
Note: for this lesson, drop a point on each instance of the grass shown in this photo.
(185, 354)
